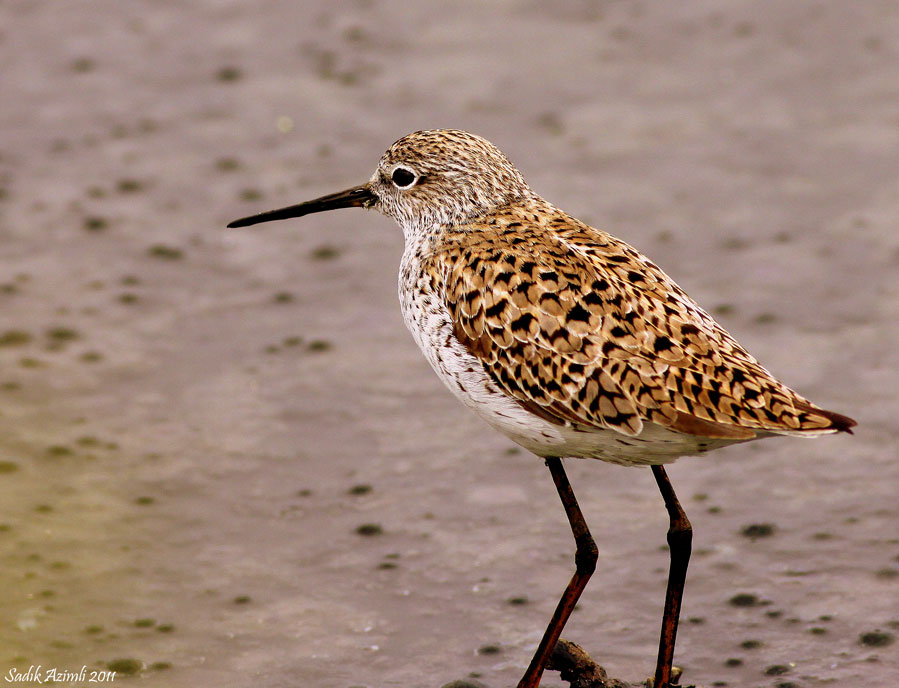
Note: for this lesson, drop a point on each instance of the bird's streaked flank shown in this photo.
(564, 338)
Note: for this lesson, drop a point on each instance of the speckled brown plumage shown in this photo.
(583, 330)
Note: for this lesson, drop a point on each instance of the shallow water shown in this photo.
(222, 457)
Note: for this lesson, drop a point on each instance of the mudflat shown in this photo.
(223, 460)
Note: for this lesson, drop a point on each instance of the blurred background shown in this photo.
(224, 462)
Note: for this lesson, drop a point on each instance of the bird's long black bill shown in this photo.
(357, 197)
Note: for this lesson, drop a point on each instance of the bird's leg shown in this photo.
(680, 539)
(585, 558)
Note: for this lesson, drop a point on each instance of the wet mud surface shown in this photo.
(224, 462)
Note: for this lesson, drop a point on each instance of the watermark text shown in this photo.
(40, 674)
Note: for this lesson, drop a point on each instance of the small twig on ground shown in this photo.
(579, 669)
(576, 667)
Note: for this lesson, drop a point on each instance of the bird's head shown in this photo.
(428, 178)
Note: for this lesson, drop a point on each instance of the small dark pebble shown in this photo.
(733, 662)
(751, 644)
(359, 489)
(128, 185)
(14, 338)
(95, 224)
(723, 309)
(325, 252)
(125, 665)
(369, 529)
(876, 638)
(518, 600)
(489, 650)
(387, 565)
(165, 252)
(227, 164)
(758, 530)
(777, 670)
(228, 73)
(83, 64)
(242, 599)
(744, 599)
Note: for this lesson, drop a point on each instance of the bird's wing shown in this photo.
(583, 330)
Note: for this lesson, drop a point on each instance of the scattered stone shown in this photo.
(744, 599)
(876, 638)
(125, 665)
(777, 670)
(758, 530)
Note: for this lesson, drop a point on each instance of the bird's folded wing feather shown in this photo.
(584, 331)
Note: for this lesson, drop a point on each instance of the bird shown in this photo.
(565, 339)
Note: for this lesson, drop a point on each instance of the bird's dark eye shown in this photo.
(403, 177)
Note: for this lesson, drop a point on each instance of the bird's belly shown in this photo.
(464, 375)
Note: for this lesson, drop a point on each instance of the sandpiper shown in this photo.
(564, 338)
